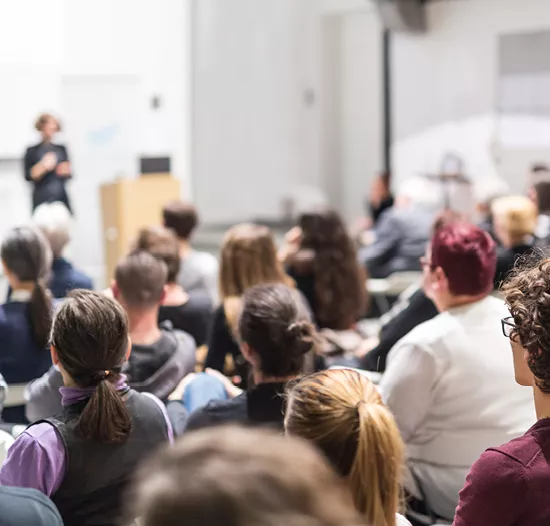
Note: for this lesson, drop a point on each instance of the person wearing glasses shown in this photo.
(450, 382)
(509, 484)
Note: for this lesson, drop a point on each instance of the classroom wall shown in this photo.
(277, 84)
(445, 88)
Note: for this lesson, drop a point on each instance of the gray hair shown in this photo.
(54, 220)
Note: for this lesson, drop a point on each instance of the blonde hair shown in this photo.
(341, 411)
(43, 118)
(517, 214)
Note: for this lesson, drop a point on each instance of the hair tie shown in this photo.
(103, 374)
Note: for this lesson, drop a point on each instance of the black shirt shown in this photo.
(221, 343)
(192, 317)
(263, 405)
(507, 258)
(50, 187)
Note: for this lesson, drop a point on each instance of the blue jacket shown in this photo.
(21, 359)
(66, 278)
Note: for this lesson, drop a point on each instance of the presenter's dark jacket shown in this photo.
(50, 187)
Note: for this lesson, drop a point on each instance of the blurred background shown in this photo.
(261, 108)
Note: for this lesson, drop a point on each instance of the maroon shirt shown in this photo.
(510, 485)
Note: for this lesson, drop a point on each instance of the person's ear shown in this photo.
(115, 289)
(129, 351)
(53, 353)
(163, 295)
(247, 353)
(440, 282)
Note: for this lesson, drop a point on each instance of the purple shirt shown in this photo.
(508, 485)
(37, 459)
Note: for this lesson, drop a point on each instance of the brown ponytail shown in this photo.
(90, 336)
(27, 254)
(342, 413)
(105, 417)
(40, 309)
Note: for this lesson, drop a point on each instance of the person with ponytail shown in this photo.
(275, 334)
(85, 457)
(25, 319)
(342, 413)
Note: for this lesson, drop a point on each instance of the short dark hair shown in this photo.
(275, 324)
(180, 217)
(467, 255)
(539, 167)
(527, 294)
(241, 477)
(90, 336)
(542, 191)
(141, 277)
(162, 244)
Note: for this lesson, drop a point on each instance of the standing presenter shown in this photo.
(47, 165)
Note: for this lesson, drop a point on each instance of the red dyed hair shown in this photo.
(467, 255)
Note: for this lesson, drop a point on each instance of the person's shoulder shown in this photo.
(218, 412)
(200, 301)
(429, 332)
(525, 448)
(27, 506)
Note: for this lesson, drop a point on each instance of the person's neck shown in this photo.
(542, 403)
(175, 295)
(143, 325)
(185, 247)
(261, 378)
(27, 286)
(443, 304)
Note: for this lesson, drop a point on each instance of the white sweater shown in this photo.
(450, 384)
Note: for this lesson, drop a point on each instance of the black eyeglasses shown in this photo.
(508, 326)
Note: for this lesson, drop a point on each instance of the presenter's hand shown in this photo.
(49, 161)
(63, 169)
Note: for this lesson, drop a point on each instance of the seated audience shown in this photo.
(25, 319)
(241, 477)
(85, 457)
(321, 258)
(412, 308)
(54, 220)
(187, 312)
(486, 191)
(160, 357)
(275, 334)
(380, 196)
(27, 507)
(402, 231)
(540, 195)
(508, 485)
(449, 382)
(199, 270)
(342, 413)
(248, 258)
(515, 220)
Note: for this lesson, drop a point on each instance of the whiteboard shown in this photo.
(27, 91)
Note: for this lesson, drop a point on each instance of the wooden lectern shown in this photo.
(128, 205)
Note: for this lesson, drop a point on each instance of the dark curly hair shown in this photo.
(340, 281)
(527, 294)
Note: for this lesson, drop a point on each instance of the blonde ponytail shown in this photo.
(376, 470)
(342, 412)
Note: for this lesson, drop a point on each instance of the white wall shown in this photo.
(84, 43)
(445, 87)
(264, 106)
